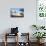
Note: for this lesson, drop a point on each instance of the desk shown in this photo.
(8, 34)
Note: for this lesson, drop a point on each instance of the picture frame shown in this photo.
(17, 12)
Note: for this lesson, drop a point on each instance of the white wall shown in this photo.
(23, 23)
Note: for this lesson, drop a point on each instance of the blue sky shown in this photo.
(18, 10)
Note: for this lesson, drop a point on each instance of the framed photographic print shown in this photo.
(17, 12)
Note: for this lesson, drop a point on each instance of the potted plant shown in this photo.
(42, 27)
(35, 26)
(39, 35)
(38, 27)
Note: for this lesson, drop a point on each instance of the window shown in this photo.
(41, 8)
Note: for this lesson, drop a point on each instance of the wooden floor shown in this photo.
(13, 44)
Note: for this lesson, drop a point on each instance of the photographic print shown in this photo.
(17, 12)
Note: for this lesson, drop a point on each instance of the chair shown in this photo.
(14, 32)
(7, 35)
(26, 37)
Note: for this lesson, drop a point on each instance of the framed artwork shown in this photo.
(17, 12)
